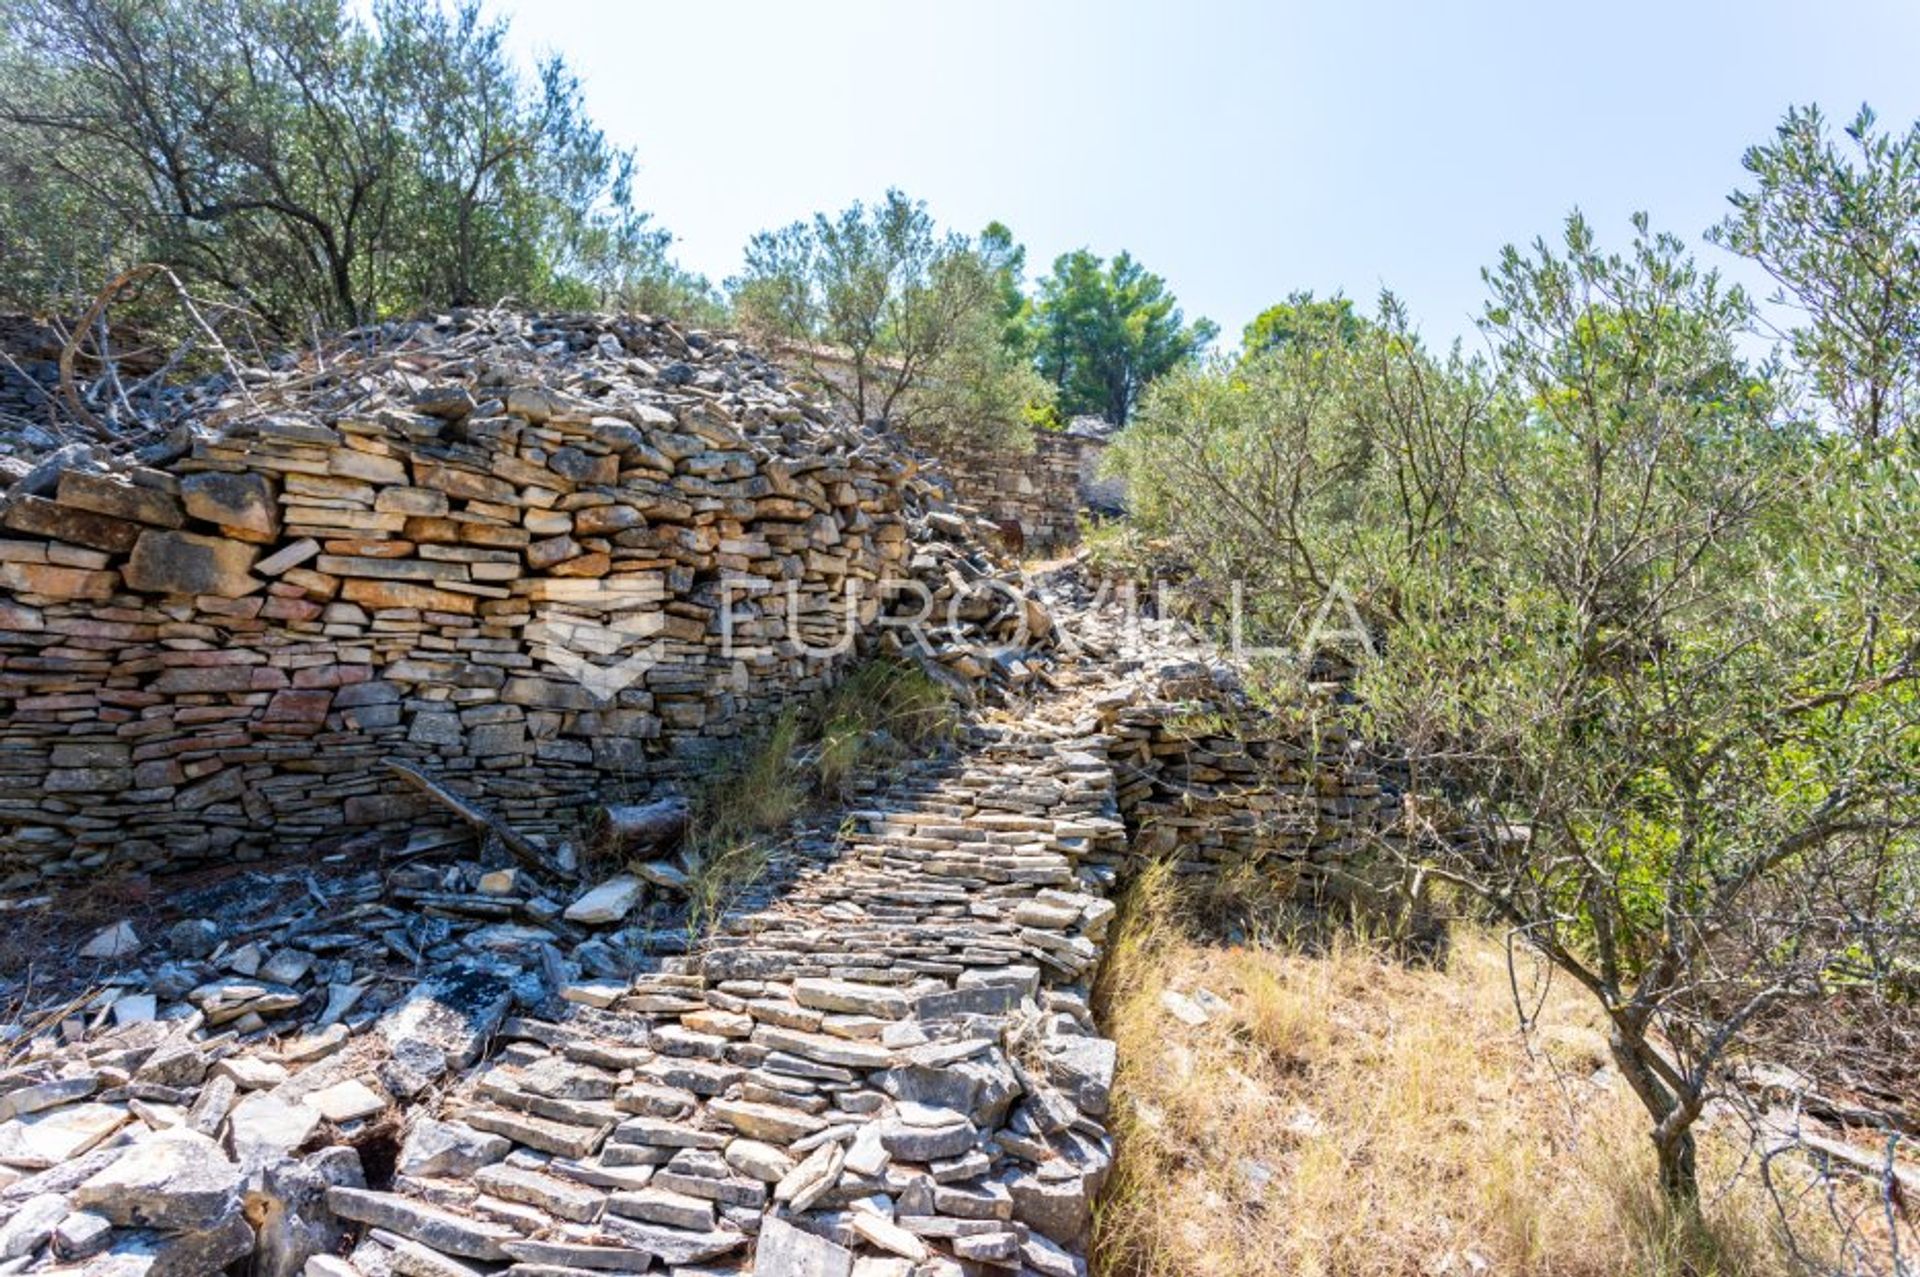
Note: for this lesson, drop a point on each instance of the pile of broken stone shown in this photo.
(887, 1068)
(197, 1060)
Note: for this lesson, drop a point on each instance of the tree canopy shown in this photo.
(902, 322)
(1647, 627)
(1299, 316)
(307, 163)
(1839, 230)
(1104, 330)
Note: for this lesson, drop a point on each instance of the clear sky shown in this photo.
(1241, 150)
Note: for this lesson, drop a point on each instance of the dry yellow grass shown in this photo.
(1348, 1115)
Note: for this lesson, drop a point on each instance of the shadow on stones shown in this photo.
(379, 1149)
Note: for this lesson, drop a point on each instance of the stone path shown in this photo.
(892, 1069)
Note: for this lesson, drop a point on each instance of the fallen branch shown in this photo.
(96, 314)
(482, 820)
(641, 828)
(1884, 1165)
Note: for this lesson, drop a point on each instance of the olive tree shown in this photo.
(1837, 226)
(302, 160)
(1334, 459)
(1645, 634)
(1678, 737)
(900, 322)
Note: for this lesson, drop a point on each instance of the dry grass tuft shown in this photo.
(1347, 1114)
(881, 712)
(734, 813)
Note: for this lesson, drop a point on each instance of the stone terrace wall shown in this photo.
(1041, 491)
(197, 661)
(1209, 782)
(29, 376)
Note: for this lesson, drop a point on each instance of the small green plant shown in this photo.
(733, 811)
(880, 713)
(1194, 722)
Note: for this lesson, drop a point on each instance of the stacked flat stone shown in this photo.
(1040, 491)
(369, 555)
(1303, 805)
(891, 1066)
(891, 1069)
(882, 1063)
(1208, 779)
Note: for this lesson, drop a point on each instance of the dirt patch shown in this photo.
(47, 936)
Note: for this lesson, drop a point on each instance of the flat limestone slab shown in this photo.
(418, 1221)
(785, 1251)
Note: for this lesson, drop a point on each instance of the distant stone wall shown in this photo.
(1041, 491)
(215, 659)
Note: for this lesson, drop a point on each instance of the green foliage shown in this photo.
(902, 323)
(1333, 458)
(758, 792)
(881, 712)
(735, 812)
(1103, 331)
(306, 163)
(1301, 317)
(1649, 661)
(1651, 630)
(1839, 231)
(1006, 259)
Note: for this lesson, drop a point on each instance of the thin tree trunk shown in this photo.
(1679, 1176)
(1672, 1134)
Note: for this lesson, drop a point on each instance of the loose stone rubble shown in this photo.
(34, 414)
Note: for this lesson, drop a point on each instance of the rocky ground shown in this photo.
(883, 1063)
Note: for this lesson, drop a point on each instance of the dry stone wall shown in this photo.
(1040, 492)
(1033, 495)
(416, 551)
(1213, 785)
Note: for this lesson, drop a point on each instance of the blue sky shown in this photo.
(1241, 150)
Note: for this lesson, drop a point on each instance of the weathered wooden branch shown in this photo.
(475, 815)
(640, 828)
(95, 315)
